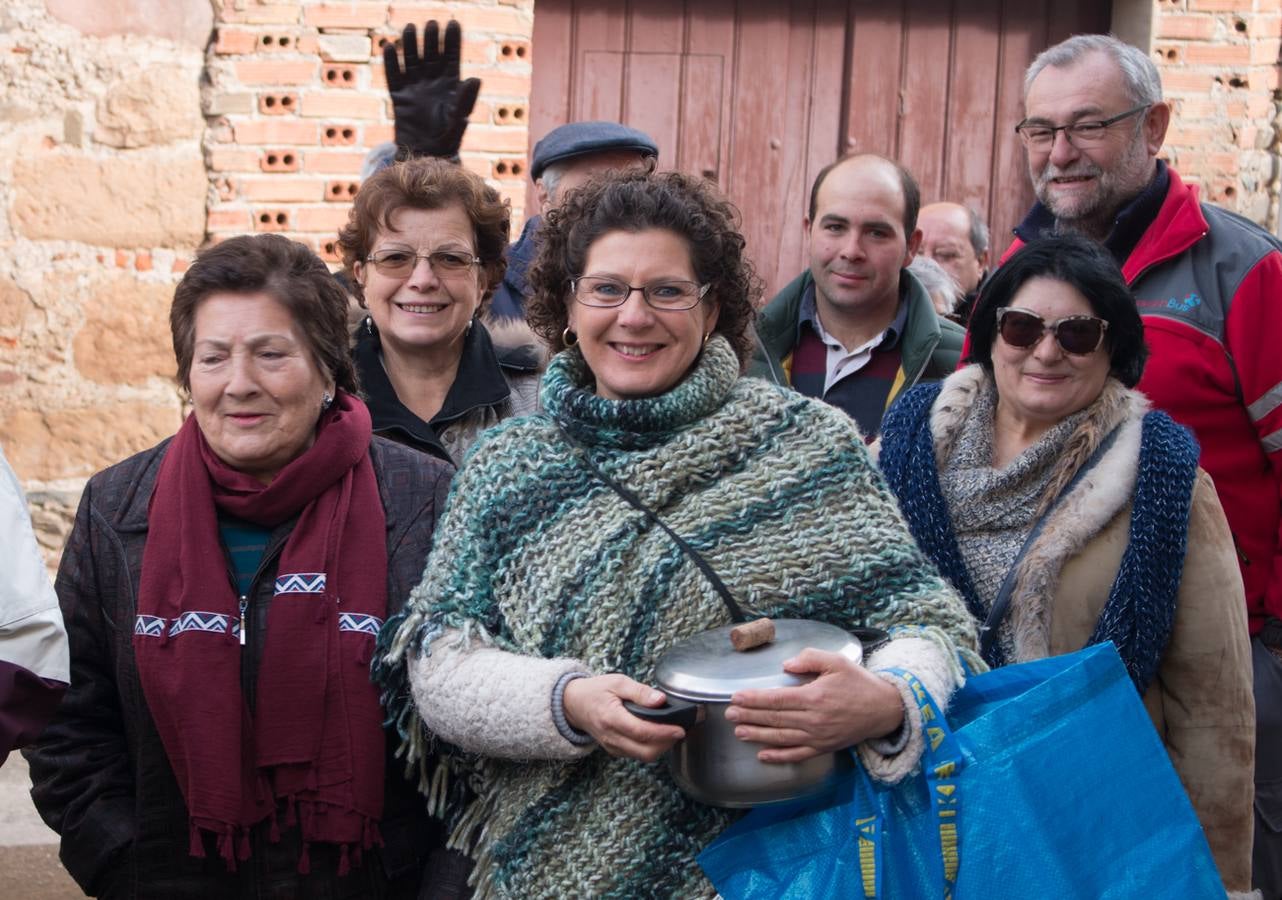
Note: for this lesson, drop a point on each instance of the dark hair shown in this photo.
(636, 201)
(1090, 269)
(907, 186)
(288, 271)
(428, 183)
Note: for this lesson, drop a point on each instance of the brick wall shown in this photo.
(297, 97)
(1219, 65)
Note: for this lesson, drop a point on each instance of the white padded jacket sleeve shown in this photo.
(31, 630)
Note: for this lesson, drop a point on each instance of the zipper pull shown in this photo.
(243, 603)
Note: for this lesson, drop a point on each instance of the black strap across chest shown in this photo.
(736, 613)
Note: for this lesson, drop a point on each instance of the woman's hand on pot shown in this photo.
(595, 705)
(844, 705)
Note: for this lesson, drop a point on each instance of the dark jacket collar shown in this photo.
(809, 314)
(1132, 220)
(479, 382)
(509, 300)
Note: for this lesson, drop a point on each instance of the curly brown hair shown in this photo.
(637, 201)
(288, 271)
(428, 183)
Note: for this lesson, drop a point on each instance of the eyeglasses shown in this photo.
(597, 290)
(400, 263)
(1040, 136)
(1077, 335)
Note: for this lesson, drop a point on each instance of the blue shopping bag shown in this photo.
(1046, 779)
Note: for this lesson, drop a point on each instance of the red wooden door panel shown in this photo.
(748, 93)
(760, 95)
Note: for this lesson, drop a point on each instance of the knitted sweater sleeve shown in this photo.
(491, 701)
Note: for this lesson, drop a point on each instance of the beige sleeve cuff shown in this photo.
(931, 664)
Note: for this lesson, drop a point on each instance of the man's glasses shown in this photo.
(1041, 136)
(1078, 335)
(597, 290)
(396, 263)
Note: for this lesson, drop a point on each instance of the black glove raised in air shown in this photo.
(429, 102)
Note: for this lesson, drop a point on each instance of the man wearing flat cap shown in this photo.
(431, 104)
(567, 157)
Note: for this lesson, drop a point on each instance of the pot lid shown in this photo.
(707, 667)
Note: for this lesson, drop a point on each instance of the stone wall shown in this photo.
(1219, 64)
(104, 196)
(134, 131)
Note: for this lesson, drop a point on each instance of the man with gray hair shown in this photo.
(957, 238)
(567, 157)
(1208, 284)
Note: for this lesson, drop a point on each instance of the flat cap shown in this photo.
(582, 138)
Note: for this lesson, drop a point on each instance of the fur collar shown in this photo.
(513, 338)
(1079, 516)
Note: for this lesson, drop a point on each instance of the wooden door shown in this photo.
(760, 95)
(938, 85)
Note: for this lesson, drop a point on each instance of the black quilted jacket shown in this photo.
(100, 775)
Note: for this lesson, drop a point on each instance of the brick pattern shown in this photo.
(299, 97)
(1219, 61)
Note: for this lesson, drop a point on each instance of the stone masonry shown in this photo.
(103, 195)
(132, 132)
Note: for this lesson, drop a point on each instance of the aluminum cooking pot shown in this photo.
(699, 676)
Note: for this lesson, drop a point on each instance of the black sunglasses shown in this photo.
(1078, 335)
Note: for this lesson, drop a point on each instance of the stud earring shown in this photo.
(568, 337)
(326, 401)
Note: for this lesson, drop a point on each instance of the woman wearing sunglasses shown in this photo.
(1067, 513)
(424, 247)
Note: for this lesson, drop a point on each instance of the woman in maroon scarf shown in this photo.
(222, 592)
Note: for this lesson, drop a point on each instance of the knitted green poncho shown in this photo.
(536, 556)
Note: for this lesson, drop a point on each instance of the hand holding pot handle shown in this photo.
(595, 705)
(843, 705)
(681, 713)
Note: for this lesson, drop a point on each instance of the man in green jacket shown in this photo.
(857, 329)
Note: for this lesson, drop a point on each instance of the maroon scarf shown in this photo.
(315, 739)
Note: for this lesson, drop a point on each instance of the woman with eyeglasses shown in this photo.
(550, 595)
(1068, 513)
(424, 247)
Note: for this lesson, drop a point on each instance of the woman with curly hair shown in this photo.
(549, 598)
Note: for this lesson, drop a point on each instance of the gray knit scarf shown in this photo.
(992, 509)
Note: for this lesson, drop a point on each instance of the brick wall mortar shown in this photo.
(1219, 65)
(281, 49)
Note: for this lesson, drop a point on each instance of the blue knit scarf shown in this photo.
(1140, 610)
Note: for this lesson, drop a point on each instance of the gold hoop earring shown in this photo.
(568, 337)
(705, 338)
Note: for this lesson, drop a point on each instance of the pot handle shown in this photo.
(674, 712)
(871, 639)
